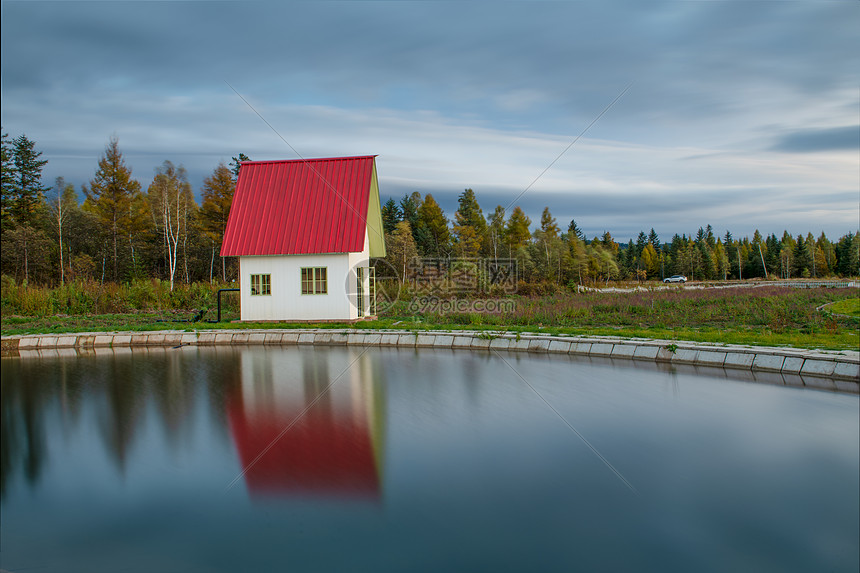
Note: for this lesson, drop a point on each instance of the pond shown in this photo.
(350, 459)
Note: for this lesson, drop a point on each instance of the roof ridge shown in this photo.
(309, 159)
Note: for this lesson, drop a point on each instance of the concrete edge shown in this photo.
(843, 366)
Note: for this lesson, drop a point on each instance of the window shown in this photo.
(359, 293)
(261, 284)
(314, 280)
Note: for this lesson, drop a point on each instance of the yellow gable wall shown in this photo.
(374, 219)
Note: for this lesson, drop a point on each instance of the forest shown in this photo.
(123, 232)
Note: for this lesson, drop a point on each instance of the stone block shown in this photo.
(322, 338)
(818, 367)
(520, 345)
(768, 362)
(481, 343)
(538, 345)
(257, 338)
(136, 340)
(742, 360)
(204, 338)
(241, 337)
(407, 340)
(601, 349)
(276, 337)
(792, 364)
(47, 341)
(462, 342)
(443, 341)
(685, 356)
(224, 338)
(28, 342)
(711, 358)
(643, 352)
(559, 346)
(389, 339)
(500, 343)
(580, 348)
(85, 340)
(305, 338)
(67, 341)
(338, 338)
(664, 354)
(290, 337)
(372, 339)
(623, 351)
(847, 370)
(356, 338)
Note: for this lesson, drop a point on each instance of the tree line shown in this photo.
(417, 226)
(122, 232)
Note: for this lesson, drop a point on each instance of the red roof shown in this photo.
(300, 206)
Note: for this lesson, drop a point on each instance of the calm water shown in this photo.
(303, 459)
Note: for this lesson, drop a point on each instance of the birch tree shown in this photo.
(60, 205)
(170, 201)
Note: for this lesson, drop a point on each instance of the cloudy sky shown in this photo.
(739, 114)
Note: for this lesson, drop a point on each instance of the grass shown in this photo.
(769, 316)
(849, 307)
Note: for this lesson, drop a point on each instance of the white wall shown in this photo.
(287, 301)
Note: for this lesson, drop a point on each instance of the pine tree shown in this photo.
(434, 237)
(654, 239)
(110, 197)
(470, 227)
(28, 193)
(236, 164)
(573, 229)
(548, 224)
(7, 170)
(517, 232)
(390, 216)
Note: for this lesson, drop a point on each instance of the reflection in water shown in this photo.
(134, 450)
(122, 385)
(310, 426)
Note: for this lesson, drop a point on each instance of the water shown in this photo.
(336, 459)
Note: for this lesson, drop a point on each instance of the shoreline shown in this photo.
(842, 367)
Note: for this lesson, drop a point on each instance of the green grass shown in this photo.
(850, 307)
(767, 316)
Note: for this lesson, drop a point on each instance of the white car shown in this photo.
(675, 279)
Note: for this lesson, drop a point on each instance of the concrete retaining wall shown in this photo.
(837, 365)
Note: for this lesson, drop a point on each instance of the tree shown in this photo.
(60, 206)
(434, 237)
(548, 224)
(517, 231)
(171, 201)
(496, 229)
(400, 248)
(218, 190)
(111, 195)
(470, 227)
(236, 164)
(27, 191)
(390, 216)
(7, 170)
(654, 239)
(573, 229)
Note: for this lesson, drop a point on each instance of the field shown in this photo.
(766, 315)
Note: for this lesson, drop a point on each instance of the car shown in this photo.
(675, 279)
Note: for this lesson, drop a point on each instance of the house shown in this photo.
(304, 231)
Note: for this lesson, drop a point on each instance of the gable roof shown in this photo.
(305, 206)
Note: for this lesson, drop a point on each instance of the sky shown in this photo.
(622, 115)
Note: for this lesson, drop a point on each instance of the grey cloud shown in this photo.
(813, 140)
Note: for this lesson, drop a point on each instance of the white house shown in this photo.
(304, 231)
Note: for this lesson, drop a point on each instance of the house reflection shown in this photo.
(309, 423)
